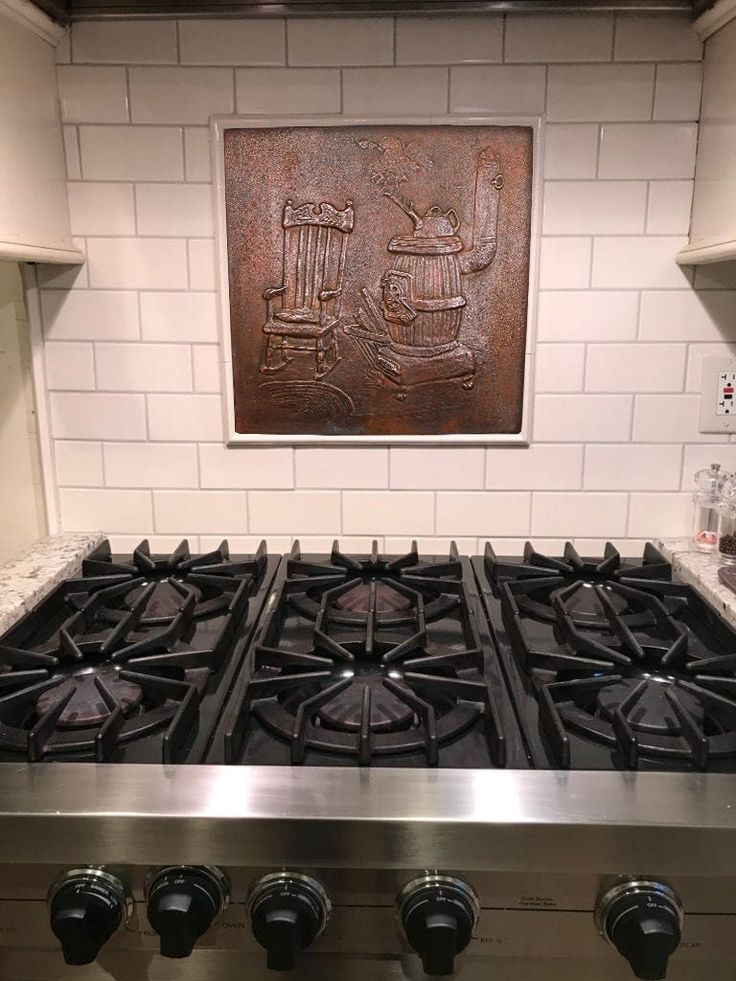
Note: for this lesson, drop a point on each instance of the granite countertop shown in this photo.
(700, 569)
(25, 581)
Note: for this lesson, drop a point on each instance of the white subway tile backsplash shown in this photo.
(144, 367)
(686, 315)
(582, 418)
(695, 355)
(294, 512)
(340, 41)
(64, 49)
(668, 209)
(179, 95)
(564, 263)
(174, 209)
(537, 467)
(677, 92)
(85, 509)
(635, 367)
(570, 150)
(101, 209)
(78, 464)
(201, 253)
(558, 37)
(595, 514)
(285, 91)
(137, 263)
(656, 38)
(206, 365)
(232, 42)
(246, 544)
(598, 93)
(197, 154)
(324, 467)
(436, 467)
(498, 88)
(429, 545)
(92, 95)
(638, 263)
(210, 512)
(587, 315)
(124, 41)
(129, 153)
(655, 150)
(179, 317)
(78, 315)
(150, 465)
(388, 512)
(69, 365)
(716, 276)
(97, 415)
(244, 467)
(559, 367)
(165, 544)
(185, 417)
(634, 467)
(669, 419)
(449, 40)
(594, 207)
(482, 513)
(395, 91)
(617, 211)
(666, 515)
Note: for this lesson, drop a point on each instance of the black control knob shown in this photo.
(183, 901)
(288, 912)
(438, 914)
(86, 907)
(643, 921)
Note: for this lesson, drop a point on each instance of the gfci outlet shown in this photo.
(718, 396)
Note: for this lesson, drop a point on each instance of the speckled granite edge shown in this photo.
(26, 580)
(700, 569)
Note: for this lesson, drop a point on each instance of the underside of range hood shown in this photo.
(71, 10)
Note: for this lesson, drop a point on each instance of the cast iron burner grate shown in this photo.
(390, 661)
(128, 651)
(618, 661)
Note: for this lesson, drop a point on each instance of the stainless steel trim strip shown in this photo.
(629, 823)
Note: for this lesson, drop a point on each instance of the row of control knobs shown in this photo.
(288, 911)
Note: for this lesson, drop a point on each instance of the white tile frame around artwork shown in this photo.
(221, 123)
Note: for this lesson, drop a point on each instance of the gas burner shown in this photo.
(614, 653)
(125, 651)
(390, 662)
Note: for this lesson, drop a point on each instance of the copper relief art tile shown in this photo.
(378, 278)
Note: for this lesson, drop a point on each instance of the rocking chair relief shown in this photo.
(376, 279)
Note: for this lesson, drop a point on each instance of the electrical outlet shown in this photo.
(718, 396)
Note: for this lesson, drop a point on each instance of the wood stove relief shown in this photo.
(376, 279)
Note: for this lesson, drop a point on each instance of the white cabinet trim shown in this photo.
(28, 14)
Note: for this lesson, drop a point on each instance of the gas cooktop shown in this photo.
(132, 661)
(372, 660)
(610, 664)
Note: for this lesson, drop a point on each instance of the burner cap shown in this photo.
(584, 604)
(165, 601)
(652, 711)
(388, 599)
(388, 713)
(87, 707)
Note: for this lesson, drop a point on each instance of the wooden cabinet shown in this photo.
(34, 208)
(713, 222)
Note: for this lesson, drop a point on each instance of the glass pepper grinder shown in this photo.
(707, 498)
(727, 522)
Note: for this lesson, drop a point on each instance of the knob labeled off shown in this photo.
(183, 902)
(288, 911)
(86, 907)
(643, 921)
(438, 915)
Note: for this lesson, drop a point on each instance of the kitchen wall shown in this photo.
(131, 338)
(22, 514)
